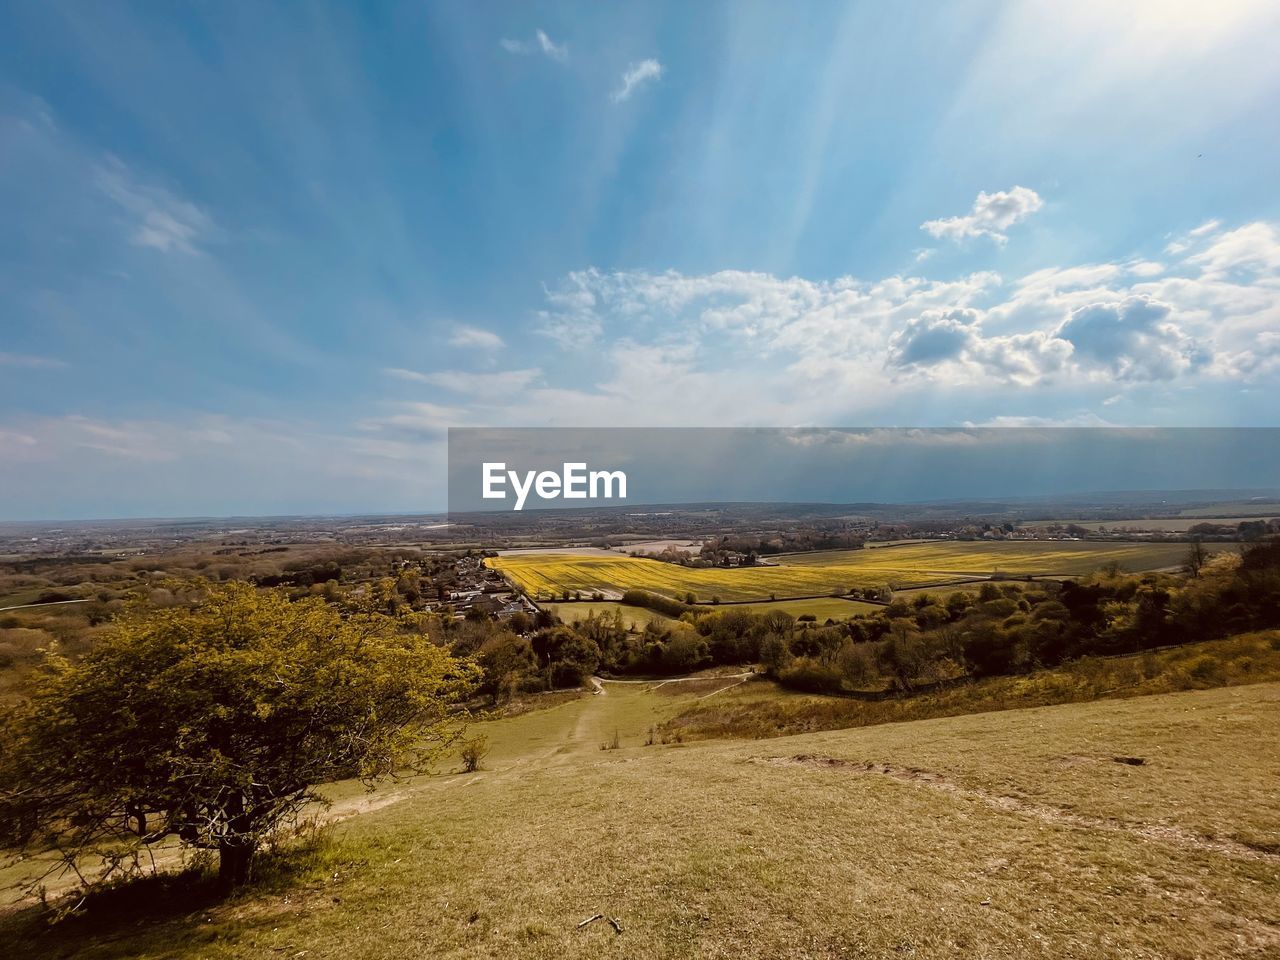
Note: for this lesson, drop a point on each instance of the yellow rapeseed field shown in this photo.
(825, 572)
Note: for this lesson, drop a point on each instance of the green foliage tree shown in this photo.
(215, 719)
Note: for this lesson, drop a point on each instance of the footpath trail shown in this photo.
(46, 603)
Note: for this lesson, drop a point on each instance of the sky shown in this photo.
(256, 258)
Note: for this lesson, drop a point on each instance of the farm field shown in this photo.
(808, 574)
(821, 607)
(636, 617)
(1236, 509)
(1163, 524)
(1000, 835)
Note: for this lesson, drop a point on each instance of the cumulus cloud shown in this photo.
(1128, 339)
(812, 318)
(933, 337)
(635, 76)
(990, 216)
(955, 337)
(1131, 339)
(1213, 312)
(541, 43)
(476, 338)
(737, 347)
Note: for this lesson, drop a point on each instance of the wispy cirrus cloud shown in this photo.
(502, 382)
(990, 215)
(419, 420)
(636, 76)
(158, 218)
(475, 337)
(31, 361)
(541, 43)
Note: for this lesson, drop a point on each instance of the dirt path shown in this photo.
(1154, 832)
(47, 603)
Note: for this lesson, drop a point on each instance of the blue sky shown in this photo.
(256, 258)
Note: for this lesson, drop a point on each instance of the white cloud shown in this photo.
(502, 382)
(159, 219)
(1145, 268)
(1076, 327)
(541, 43)
(420, 420)
(1131, 339)
(127, 440)
(635, 76)
(1254, 247)
(990, 216)
(933, 337)
(155, 467)
(555, 52)
(29, 361)
(475, 337)
(15, 446)
(1086, 419)
(736, 348)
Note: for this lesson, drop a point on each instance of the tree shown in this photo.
(1197, 556)
(568, 657)
(215, 720)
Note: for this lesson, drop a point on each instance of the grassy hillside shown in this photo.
(1003, 835)
(767, 710)
(799, 575)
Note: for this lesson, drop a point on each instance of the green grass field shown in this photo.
(999, 835)
(823, 608)
(636, 617)
(809, 574)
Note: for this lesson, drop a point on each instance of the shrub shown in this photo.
(1207, 668)
(811, 675)
(473, 751)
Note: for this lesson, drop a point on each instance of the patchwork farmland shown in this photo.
(551, 575)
